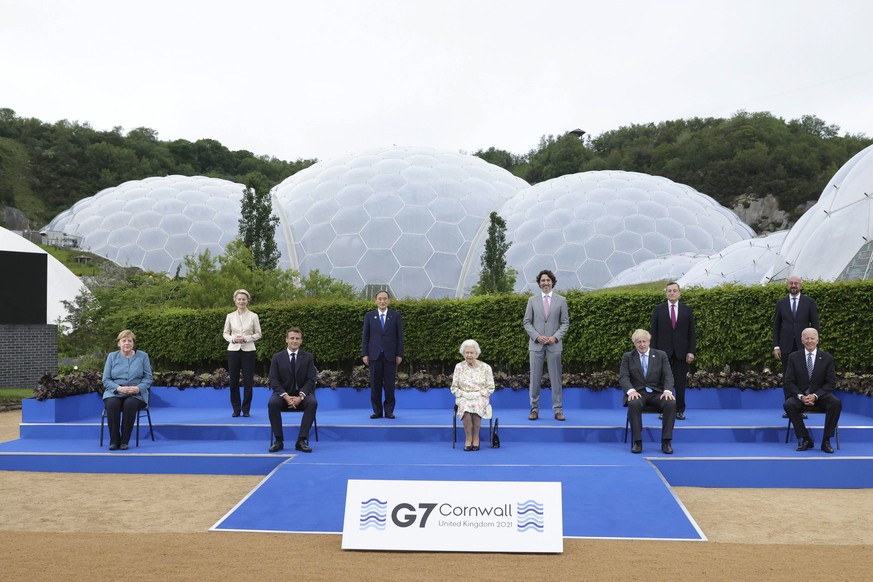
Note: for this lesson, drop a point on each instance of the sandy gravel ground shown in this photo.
(88, 526)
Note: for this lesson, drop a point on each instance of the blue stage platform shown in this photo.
(732, 438)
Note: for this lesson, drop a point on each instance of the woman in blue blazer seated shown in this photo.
(127, 377)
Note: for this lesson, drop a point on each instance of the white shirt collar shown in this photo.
(290, 353)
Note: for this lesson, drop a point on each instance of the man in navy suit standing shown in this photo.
(810, 380)
(382, 351)
(673, 333)
(646, 380)
(292, 379)
(793, 314)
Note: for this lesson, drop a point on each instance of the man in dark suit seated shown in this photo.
(646, 380)
(810, 380)
(292, 379)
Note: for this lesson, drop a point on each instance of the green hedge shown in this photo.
(734, 328)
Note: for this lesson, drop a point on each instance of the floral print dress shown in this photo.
(472, 386)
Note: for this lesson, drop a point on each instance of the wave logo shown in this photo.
(530, 516)
(373, 514)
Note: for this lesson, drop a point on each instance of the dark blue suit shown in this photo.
(822, 383)
(788, 327)
(676, 343)
(283, 380)
(382, 345)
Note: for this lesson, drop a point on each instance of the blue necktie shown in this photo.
(382, 320)
(645, 362)
(794, 306)
(809, 364)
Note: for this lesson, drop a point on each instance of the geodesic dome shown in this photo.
(406, 217)
(832, 240)
(669, 268)
(154, 223)
(745, 262)
(589, 227)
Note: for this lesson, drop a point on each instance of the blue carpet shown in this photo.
(612, 500)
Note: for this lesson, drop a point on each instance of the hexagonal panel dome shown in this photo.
(407, 217)
(669, 268)
(619, 219)
(154, 223)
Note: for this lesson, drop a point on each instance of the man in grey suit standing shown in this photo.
(647, 380)
(546, 320)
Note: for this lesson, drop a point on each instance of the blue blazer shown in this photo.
(281, 379)
(375, 340)
(787, 327)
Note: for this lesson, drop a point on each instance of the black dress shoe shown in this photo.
(235, 413)
(661, 416)
(474, 448)
(680, 416)
(826, 447)
(784, 415)
(123, 446)
(303, 447)
(390, 415)
(804, 415)
(246, 414)
(666, 448)
(805, 445)
(468, 448)
(375, 415)
(277, 446)
(113, 447)
(637, 447)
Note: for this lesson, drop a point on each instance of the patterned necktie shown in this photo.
(794, 306)
(382, 320)
(809, 363)
(644, 360)
(546, 305)
(673, 315)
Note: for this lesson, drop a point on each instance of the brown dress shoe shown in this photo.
(559, 416)
(533, 415)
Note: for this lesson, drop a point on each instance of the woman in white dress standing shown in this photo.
(472, 386)
(241, 330)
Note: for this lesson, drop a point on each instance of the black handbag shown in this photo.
(495, 439)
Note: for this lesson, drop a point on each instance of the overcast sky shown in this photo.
(318, 78)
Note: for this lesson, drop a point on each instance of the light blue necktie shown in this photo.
(645, 362)
(382, 320)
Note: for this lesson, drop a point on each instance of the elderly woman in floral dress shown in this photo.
(472, 385)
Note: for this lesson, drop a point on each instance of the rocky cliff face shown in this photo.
(763, 213)
(13, 219)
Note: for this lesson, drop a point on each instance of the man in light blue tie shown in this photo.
(646, 379)
(382, 352)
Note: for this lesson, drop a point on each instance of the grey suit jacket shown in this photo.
(536, 323)
(659, 377)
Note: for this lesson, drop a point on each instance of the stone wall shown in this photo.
(27, 352)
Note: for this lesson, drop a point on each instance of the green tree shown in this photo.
(257, 223)
(495, 277)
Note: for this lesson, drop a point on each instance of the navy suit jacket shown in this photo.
(659, 377)
(787, 327)
(281, 379)
(677, 342)
(375, 340)
(824, 377)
